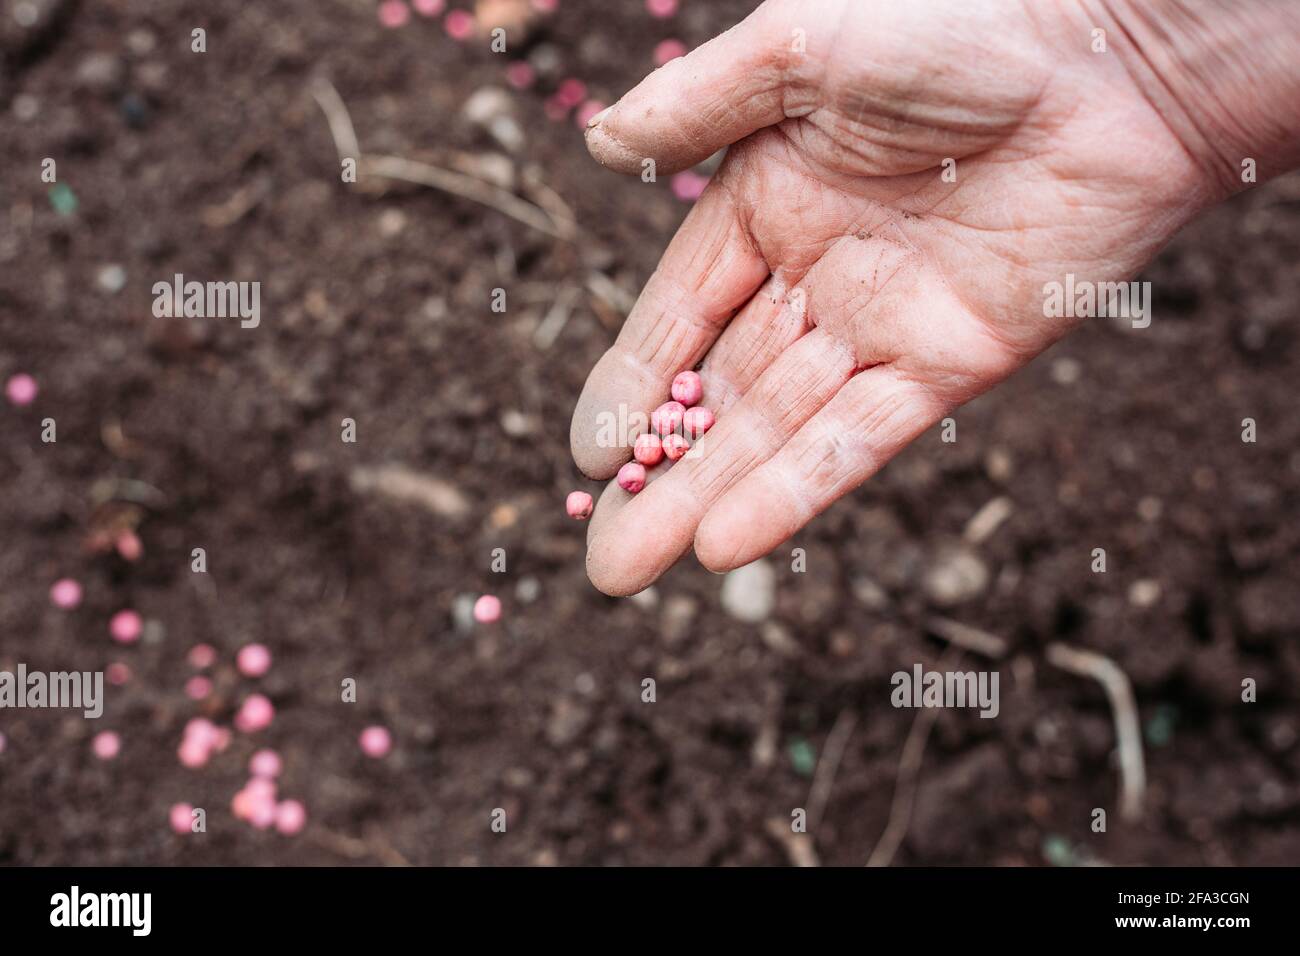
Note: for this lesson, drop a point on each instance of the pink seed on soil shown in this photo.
(376, 741)
(202, 655)
(697, 421)
(221, 739)
(255, 713)
(65, 593)
(21, 389)
(181, 817)
(631, 477)
(663, 9)
(571, 91)
(586, 111)
(265, 763)
(578, 505)
(393, 13)
(253, 660)
(125, 626)
(667, 418)
(459, 24)
(106, 745)
(259, 788)
(688, 388)
(290, 817)
(554, 109)
(487, 609)
(128, 546)
(117, 673)
(429, 8)
(648, 449)
(520, 74)
(546, 6)
(263, 813)
(201, 729)
(675, 446)
(198, 687)
(669, 50)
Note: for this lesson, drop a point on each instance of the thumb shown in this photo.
(688, 109)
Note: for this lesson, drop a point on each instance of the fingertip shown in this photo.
(719, 540)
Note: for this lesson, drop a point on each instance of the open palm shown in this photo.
(872, 253)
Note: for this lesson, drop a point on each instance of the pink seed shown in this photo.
(125, 626)
(571, 91)
(578, 505)
(21, 389)
(555, 110)
(631, 477)
(106, 745)
(117, 673)
(667, 418)
(546, 6)
(193, 753)
(663, 9)
(697, 421)
(221, 739)
(688, 388)
(648, 449)
(376, 741)
(459, 24)
(263, 813)
(65, 593)
(181, 817)
(290, 817)
(520, 74)
(202, 655)
(487, 609)
(429, 8)
(241, 805)
(202, 730)
(255, 713)
(393, 14)
(253, 660)
(261, 789)
(265, 763)
(198, 687)
(669, 50)
(689, 186)
(586, 111)
(675, 446)
(128, 546)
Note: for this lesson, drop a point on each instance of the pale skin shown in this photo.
(839, 293)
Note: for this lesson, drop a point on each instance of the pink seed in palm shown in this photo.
(631, 477)
(65, 593)
(578, 505)
(675, 446)
(667, 418)
(648, 449)
(688, 388)
(376, 741)
(697, 421)
(253, 660)
(125, 626)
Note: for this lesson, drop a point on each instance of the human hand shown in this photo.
(842, 293)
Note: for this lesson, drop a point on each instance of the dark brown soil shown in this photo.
(376, 307)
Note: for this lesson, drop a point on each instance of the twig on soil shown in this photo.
(425, 174)
(909, 765)
(967, 637)
(798, 846)
(1128, 736)
(340, 121)
(828, 765)
(557, 317)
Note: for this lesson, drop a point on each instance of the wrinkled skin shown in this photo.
(841, 296)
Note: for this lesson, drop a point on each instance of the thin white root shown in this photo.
(1119, 692)
(967, 637)
(828, 765)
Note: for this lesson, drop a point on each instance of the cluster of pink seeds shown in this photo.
(671, 424)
